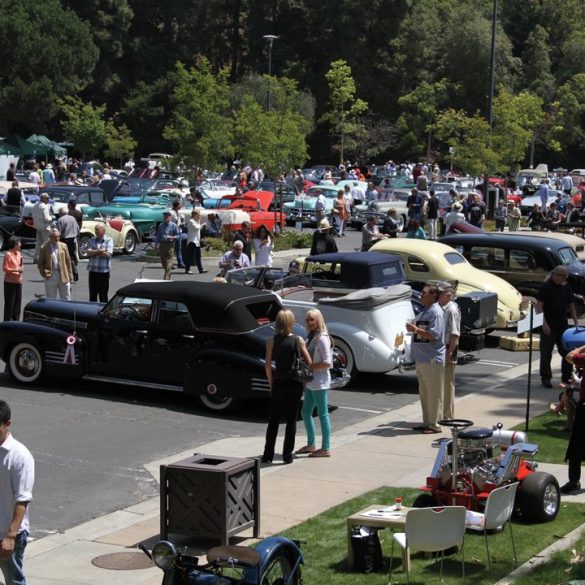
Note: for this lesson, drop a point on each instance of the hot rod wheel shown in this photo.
(538, 498)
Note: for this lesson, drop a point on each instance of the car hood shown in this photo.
(576, 268)
(65, 314)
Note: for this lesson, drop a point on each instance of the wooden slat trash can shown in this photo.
(211, 497)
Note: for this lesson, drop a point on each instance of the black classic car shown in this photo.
(203, 339)
(522, 260)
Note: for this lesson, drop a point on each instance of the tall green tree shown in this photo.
(468, 141)
(84, 125)
(200, 128)
(345, 107)
(109, 22)
(570, 120)
(517, 120)
(146, 110)
(275, 140)
(465, 58)
(538, 77)
(420, 109)
(46, 52)
(120, 143)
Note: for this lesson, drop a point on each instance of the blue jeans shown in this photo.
(12, 567)
(179, 249)
(311, 399)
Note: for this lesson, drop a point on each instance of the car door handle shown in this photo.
(188, 336)
(142, 331)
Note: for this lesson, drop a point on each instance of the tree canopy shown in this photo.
(401, 66)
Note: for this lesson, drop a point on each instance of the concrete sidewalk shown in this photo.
(380, 451)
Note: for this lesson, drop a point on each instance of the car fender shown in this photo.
(370, 353)
(51, 342)
(230, 358)
(269, 548)
(528, 286)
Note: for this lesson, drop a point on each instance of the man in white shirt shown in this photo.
(42, 219)
(320, 207)
(567, 183)
(17, 476)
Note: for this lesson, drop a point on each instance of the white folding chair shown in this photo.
(432, 530)
(498, 510)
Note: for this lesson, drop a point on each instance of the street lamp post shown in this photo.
(269, 40)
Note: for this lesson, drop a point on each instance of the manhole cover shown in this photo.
(124, 561)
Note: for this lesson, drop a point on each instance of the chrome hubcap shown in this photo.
(27, 362)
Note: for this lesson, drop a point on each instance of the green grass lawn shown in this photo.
(564, 567)
(547, 432)
(326, 547)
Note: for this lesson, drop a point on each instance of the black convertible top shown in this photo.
(217, 306)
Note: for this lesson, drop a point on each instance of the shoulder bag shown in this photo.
(299, 370)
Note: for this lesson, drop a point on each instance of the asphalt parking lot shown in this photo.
(91, 441)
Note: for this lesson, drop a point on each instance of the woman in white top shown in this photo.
(263, 247)
(316, 391)
(194, 226)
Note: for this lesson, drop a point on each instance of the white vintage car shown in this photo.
(122, 232)
(367, 323)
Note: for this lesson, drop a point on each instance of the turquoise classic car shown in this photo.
(303, 207)
(144, 217)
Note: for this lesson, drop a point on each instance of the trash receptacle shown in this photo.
(207, 496)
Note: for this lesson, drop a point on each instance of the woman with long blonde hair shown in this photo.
(285, 394)
(316, 391)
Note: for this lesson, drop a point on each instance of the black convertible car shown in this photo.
(203, 339)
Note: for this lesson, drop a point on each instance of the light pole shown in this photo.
(492, 66)
(269, 40)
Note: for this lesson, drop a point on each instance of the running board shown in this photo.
(124, 382)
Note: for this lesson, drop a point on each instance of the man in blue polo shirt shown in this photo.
(166, 234)
(99, 252)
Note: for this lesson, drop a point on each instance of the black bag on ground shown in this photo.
(367, 550)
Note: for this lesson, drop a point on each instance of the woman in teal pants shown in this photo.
(316, 391)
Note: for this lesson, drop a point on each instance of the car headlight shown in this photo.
(164, 555)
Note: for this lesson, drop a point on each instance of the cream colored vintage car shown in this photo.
(426, 261)
(122, 232)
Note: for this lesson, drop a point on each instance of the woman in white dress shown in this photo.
(263, 245)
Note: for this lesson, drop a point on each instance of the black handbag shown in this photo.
(367, 550)
(299, 370)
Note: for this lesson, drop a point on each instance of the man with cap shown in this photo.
(166, 234)
(371, 233)
(42, 219)
(323, 241)
(452, 318)
(48, 175)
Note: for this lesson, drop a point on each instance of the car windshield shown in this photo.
(314, 192)
(61, 196)
(454, 258)
(568, 255)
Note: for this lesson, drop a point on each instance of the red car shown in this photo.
(256, 204)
